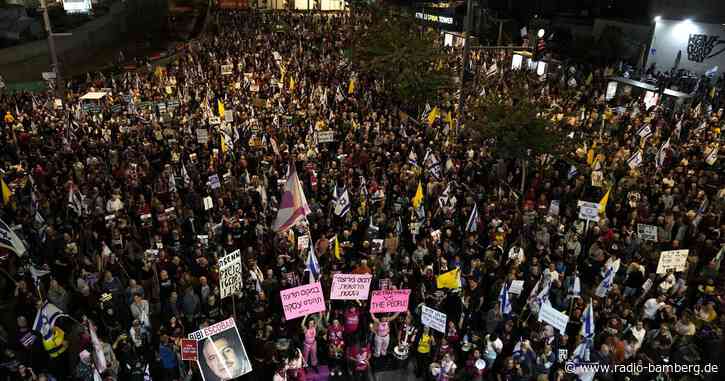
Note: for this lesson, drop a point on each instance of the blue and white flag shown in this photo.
(341, 201)
(9, 240)
(608, 280)
(583, 350)
(635, 160)
(572, 172)
(662, 153)
(504, 300)
(46, 318)
(313, 267)
(413, 158)
(472, 225)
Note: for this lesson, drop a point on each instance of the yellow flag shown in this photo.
(223, 144)
(603, 202)
(712, 92)
(337, 250)
(351, 87)
(590, 155)
(292, 84)
(5, 192)
(589, 79)
(433, 115)
(450, 279)
(418, 198)
(449, 119)
(220, 106)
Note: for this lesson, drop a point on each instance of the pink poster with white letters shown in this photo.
(389, 301)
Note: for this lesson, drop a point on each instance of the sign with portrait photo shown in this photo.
(220, 352)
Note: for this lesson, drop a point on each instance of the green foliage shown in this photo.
(406, 56)
(515, 126)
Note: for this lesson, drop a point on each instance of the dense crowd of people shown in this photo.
(125, 208)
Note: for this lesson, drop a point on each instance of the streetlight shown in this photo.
(658, 18)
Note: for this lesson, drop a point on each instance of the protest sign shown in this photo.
(516, 287)
(350, 286)
(434, 319)
(214, 120)
(389, 301)
(647, 232)
(230, 274)
(302, 300)
(326, 136)
(554, 208)
(188, 350)
(202, 136)
(589, 211)
(208, 203)
(220, 352)
(229, 116)
(550, 315)
(303, 242)
(214, 181)
(672, 260)
(227, 69)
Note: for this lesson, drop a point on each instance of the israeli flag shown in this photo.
(636, 159)
(504, 300)
(342, 202)
(313, 267)
(608, 280)
(471, 226)
(572, 172)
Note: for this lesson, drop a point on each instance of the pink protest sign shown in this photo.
(389, 301)
(302, 300)
(350, 286)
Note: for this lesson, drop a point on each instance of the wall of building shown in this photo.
(702, 45)
(137, 16)
(698, 10)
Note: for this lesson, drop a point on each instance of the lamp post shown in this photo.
(51, 44)
(466, 51)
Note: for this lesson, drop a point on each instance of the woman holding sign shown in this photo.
(382, 334)
(309, 353)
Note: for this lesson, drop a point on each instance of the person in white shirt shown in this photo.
(516, 254)
(638, 332)
(494, 345)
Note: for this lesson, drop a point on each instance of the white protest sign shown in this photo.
(227, 69)
(229, 116)
(48, 75)
(554, 208)
(673, 259)
(202, 136)
(549, 314)
(434, 319)
(208, 203)
(303, 242)
(350, 286)
(214, 181)
(230, 274)
(326, 136)
(516, 287)
(647, 232)
(589, 211)
(214, 120)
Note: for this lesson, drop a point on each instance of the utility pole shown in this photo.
(466, 51)
(51, 45)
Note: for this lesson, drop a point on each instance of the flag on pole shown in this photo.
(9, 240)
(504, 300)
(99, 359)
(606, 283)
(471, 226)
(186, 180)
(312, 266)
(433, 115)
(635, 160)
(413, 158)
(341, 201)
(418, 198)
(336, 249)
(53, 337)
(220, 108)
(583, 350)
(603, 202)
(450, 279)
(5, 192)
(662, 153)
(293, 205)
(75, 201)
(572, 172)
(351, 86)
(172, 182)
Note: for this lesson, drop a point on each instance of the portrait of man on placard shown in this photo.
(222, 356)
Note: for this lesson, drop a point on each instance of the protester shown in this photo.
(124, 205)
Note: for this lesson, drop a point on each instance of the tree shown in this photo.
(515, 126)
(406, 57)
